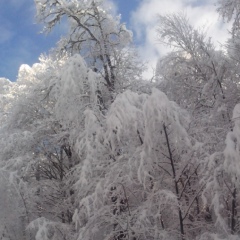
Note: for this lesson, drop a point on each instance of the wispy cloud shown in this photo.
(6, 34)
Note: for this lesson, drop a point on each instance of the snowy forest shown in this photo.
(90, 150)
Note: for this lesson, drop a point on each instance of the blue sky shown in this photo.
(20, 40)
(22, 43)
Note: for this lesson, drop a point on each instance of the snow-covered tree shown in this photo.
(88, 150)
(204, 81)
(201, 73)
(93, 31)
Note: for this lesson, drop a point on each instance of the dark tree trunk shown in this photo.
(175, 182)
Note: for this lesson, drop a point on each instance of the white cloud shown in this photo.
(145, 19)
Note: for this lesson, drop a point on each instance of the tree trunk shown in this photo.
(233, 215)
(175, 182)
